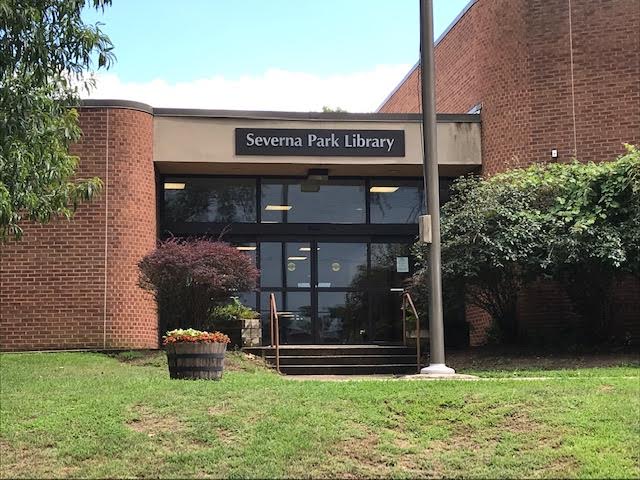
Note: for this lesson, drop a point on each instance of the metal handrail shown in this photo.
(274, 325)
(407, 300)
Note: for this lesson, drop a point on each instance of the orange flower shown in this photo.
(194, 336)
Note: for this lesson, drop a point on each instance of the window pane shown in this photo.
(270, 264)
(218, 200)
(391, 265)
(298, 201)
(249, 249)
(273, 205)
(265, 314)
(342, 316)
(295, 318)
(387, 316)
(445, 189)
(298, 265)
(396, 201)
(342, 265)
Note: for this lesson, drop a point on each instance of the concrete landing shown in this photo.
(439, 376)
(347, 378)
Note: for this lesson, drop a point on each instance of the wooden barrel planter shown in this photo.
(196, 360)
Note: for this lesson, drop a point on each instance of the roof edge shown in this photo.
(274, 115)
(435, 44)
(114, 103)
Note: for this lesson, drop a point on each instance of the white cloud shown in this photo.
(275, 89)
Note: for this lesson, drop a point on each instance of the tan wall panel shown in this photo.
(212, 140)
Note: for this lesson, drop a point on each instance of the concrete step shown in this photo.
(347, 369)
(328, 350)
(343, 359)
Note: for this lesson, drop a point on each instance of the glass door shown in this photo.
(342, 312)
(331, 292)
(390, 268)
(285, 269)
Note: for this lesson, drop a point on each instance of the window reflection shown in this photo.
(386, 316)
(271, 264)
(341, 264)
(338, 201)
(204, 199)
(342, 316)
(295, 318)
(391, 265)
(265, 314)
(298, 265)
(396, 201)
(298, 201)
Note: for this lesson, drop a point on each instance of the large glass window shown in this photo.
(248, 248)
(342, 265)
(294, 314)
(386, 316)
(339, 201)
(206, 199)
(299, 201)
(298, 265)
(396, 201)
(271, 264)
(391, 265)
(342, 317)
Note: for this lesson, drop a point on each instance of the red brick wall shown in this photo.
(479, 323)
(52, 282)
(514, 58)
(407, 98)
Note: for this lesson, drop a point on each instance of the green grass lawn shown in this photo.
(91, 415)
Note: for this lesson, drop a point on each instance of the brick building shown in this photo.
(326, 203)
(73, 284)
(546, 76)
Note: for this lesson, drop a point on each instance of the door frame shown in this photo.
(314, 290)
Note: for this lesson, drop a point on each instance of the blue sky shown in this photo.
(234, 53)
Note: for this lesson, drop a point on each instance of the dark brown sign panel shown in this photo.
(320, 142)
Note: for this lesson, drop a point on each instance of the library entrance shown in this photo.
(335, 254)
(335, 292)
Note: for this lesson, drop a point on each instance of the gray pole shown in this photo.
(437, 364)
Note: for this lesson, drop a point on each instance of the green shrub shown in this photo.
(577, 223)
(231, 311)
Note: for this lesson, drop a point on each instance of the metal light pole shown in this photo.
(437, 364)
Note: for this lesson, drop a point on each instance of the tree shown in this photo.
(593, 233)
(46, 50)
(189, 277)
(577, 223)
(489, 242)
(328, 109)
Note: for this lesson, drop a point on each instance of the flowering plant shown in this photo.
(194, 336)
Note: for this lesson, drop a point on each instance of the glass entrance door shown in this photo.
(331, 292)
(341, 285)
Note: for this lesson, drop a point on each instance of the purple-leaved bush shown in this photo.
(188, 277)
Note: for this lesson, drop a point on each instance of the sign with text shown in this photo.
(319, 142)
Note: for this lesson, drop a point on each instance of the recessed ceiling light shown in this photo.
(278, 207)
(246, 248)
(383, 189)
(174, 186)
(307, 249)
(297, 258)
